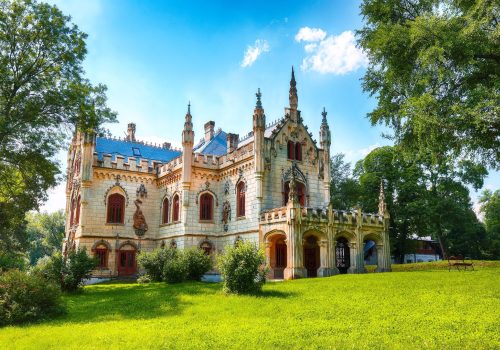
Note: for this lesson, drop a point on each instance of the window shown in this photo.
(165, 211)
(298, 151)
(136, 151)
(301, 191)
(241, 199)
(116, 208)
(101, 254)
(291, 150)
(77, 215)
(206, 206)
(72, 213)
(175, 204)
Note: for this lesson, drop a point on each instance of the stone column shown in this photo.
(325, 269)
(352, 257)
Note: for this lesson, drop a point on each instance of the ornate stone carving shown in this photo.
(226, 214)
(140, 224)
(142, 192)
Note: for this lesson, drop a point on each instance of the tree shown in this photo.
(45, 232)
(43, 98)
(490, 207)
(434, 66)
(344, 188)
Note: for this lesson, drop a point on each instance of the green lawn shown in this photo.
(433, 309)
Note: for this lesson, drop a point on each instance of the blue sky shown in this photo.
(155, 56)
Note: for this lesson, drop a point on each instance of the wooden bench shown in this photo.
(457, 261)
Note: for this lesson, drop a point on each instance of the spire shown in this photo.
(293, 92)
(189, 108)
(259, 102)
(382, 207)
(324, 113)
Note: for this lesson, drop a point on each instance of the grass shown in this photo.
(428, 308)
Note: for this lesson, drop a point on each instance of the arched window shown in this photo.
(116, 209)
(291, 150)
(175, 209)
(301, 193)
(241, 199)
(166, 211)
(207, 247)
(206, 206)
(77, 215)
(72, 213)
(298, 151)
(101, 253)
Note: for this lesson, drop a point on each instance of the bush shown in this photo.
(174, 269)
(241, 267)
(144, 279)
(197, 263)
(69, 273)
(154, 262)
(27, 297)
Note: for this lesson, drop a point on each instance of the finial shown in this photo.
(324, 113)
(381, 199)
(293, 92)
(293, 74)
(259, 102)
(189, 107)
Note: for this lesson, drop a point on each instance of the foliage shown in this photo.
(25, 297)
(344, 190)
(43, 97)
(69, 273)
(490, 207)
(154, 262)
(174, 269)
(45, 234)
(197, 263)
(242, 269)
(434, 66)
(12, 260)
(309, 313)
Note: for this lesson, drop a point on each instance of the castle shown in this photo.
(270, 187)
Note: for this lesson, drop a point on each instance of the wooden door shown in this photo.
(280, 260)
(311, 261)
(126, 263)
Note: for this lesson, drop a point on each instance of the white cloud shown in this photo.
(333, 54)
(253, 52)
(310, 34)
(56, 198)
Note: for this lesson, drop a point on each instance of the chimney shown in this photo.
(131, 132)
(232, 142)
(209, 130)
(166, 145)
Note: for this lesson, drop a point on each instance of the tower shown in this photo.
(187, 158)
(325, 140)
(259, 125)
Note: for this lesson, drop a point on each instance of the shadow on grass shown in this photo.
(118, 301)
(274, 294)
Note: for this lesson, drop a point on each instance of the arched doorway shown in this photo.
(311, 255)
(342, 256)
(127, 265)
(277, 255)
(370, 252)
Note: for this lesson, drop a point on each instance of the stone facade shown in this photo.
(281, 171)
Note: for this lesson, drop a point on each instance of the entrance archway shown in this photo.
(311, 255)
(342, 255)
(127, 264)
(277, 255)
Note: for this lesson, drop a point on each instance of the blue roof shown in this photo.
(133, 149)
(216, 146)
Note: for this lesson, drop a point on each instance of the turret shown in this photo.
(259, 125)
(325, 140)
(187, 157)
(131, 132)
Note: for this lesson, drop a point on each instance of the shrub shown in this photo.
(197, 263)
(144, 279)
(12, 260)
(154, 262)
(174, 268)
(241, 267)
(27, 297)
(69, 273)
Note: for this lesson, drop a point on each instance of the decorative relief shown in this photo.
(141, 191)
(226, 214)
(227, 186)
(140, 224)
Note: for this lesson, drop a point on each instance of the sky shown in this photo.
(156, 56)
